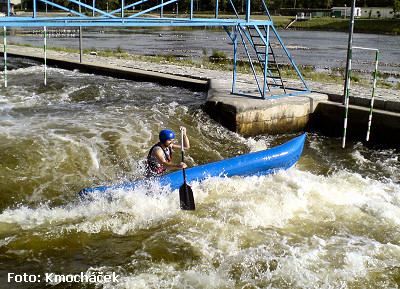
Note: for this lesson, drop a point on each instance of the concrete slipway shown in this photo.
(248, 115)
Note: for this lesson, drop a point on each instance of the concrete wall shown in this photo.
(122, 72)
(328, 119)
(251, 116)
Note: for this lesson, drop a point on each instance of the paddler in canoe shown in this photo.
(159, 158)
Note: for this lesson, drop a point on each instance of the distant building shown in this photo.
(344, 12)
(377, 12)
(301, 16)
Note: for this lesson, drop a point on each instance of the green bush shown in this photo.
(217, 56)
(354, 78)
(119, 50)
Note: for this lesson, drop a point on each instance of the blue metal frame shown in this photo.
(249, 58)
(140, 19)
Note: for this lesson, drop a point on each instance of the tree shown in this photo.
(396, 7)
(328, 3)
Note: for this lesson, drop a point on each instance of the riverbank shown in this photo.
(374, 26)
(220, 62)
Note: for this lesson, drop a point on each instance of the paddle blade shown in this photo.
(186, 198)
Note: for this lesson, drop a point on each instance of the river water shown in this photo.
(332, 221)
(319, 49)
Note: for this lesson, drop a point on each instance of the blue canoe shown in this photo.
(258, 163)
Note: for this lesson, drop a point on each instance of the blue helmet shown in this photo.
(165, 135)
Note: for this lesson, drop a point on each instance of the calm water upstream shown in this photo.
(332, 221)
(320, 49)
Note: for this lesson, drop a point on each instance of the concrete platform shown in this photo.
(119, 71)
(251, 116)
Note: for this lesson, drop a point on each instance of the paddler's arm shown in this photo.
(186, 143)
(159, 154)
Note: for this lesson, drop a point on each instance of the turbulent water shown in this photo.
(332, 221)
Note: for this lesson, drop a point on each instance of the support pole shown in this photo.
(373, 94)
(34, 9)
(8, 8)
(191, 9)
(5, 55)
(348, 72)
(122, 8)
(162, 9)
(247, 10)
(216, 8)
(80, 39)
(235, 46)
(94, 6)
(45, 54)
(80, 45)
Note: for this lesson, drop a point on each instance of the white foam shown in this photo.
(127, 212)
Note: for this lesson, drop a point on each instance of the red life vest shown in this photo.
(154, 167)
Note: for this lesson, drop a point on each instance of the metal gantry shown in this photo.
(255, 36)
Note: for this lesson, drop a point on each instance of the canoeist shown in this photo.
(159, 158)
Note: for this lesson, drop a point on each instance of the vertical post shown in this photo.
(34, 9)
(5, 55)
(216, 8)
(373, 94)
(235, 46)
(45, 54)
(191, 9)
(177, 9)
(80, 39)
(350, 44)
(348, 72)
(80, 44)
(247, 10)
(162, 9)
(347, 101)
(122, 8)
(94, 6)
(8, 8)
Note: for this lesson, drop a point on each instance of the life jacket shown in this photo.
(154, 167)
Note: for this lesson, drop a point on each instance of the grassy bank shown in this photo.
(218, 61)
(385, 26)
(375, 26)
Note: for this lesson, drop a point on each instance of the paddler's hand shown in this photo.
(182, 166)
(183, 130)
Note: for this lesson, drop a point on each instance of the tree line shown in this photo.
(183, 6)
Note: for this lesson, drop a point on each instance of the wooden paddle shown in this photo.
(185, 191)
